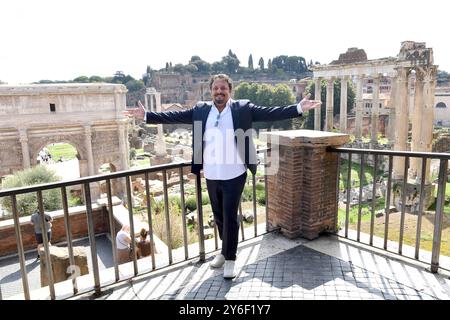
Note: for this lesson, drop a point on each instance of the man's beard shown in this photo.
(219, 99)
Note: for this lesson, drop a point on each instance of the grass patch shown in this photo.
(62, 150)
(355, 170)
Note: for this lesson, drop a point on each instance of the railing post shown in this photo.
(443, 167)
(302, 192)
(201, 234)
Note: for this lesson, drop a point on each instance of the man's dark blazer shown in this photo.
(243, 112)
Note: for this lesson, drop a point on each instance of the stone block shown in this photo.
(60, 262)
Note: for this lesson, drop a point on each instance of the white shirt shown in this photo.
(121, 242)
(221, 160)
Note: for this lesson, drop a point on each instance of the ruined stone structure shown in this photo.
(413, 59)
(442, 107)
(87, 116)
(153, 103)
(188, 89)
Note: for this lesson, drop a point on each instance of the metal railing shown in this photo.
(127, 174)
(406, 155)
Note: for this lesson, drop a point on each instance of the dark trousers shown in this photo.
(225, 196)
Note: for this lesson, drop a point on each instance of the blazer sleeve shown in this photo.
(260, 113)
(170, 117)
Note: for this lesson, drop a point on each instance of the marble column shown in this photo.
(392, 106)
(25, 148)
(123, 145)
(160, 146)
(317, 111)
(343, 107)
(359, 107)
(375, 110)
(94, 186)
(422, 119)
(402, 120)
(88, 145)
(329, 110)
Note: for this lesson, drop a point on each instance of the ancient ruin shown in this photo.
(87, 116)
(413, 65)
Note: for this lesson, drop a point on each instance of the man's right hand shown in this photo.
(137, 113)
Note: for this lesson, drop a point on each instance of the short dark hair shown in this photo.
(221, 76)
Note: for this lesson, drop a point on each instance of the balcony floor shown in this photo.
(273, 267)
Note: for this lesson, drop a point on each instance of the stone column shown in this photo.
(317, 96)
(375, 110)
(302, 193)
(423, 118)
(88, 144)
(160, 146)
(329, 110)
(392, 106)
(25, 148)
(152, 105)
(401, 120)
(95, 187)
(123, 145)
(343, 108)
(146, 102)
(359, 107)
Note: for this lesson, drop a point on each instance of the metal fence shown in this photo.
(108, 178)
(388, 156)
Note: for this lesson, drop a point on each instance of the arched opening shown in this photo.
(63, 158)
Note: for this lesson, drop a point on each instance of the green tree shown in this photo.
(96, 79)
(250, 62)
(282, 95)
(27, 203)
(134, 85)
(147, 78)
(202, 66)
(82, 79)
(261, 63)
(266, 95)
(442, 78)
(269, 65)
(180, 68)
(231, 62)
(218, 67)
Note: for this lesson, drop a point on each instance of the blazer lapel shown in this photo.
(234, 114)
(205, 116)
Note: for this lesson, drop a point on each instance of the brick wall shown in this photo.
(78, 224)
(302, 194)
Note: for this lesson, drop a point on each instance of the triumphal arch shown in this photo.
(87, 116)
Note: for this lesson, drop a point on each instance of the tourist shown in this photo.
(36, 221)
(123, 241)
(215, 148)
(144, 247)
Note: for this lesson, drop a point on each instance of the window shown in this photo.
(52, 107)
(441, 105)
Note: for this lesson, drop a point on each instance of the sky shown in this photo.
(64, 39)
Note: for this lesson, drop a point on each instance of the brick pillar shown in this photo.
(302, 195)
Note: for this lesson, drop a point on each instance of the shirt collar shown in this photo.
(227, 107)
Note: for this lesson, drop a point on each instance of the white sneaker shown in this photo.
(228, 271)
(218, 261)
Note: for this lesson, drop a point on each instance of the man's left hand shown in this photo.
(307, 104)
